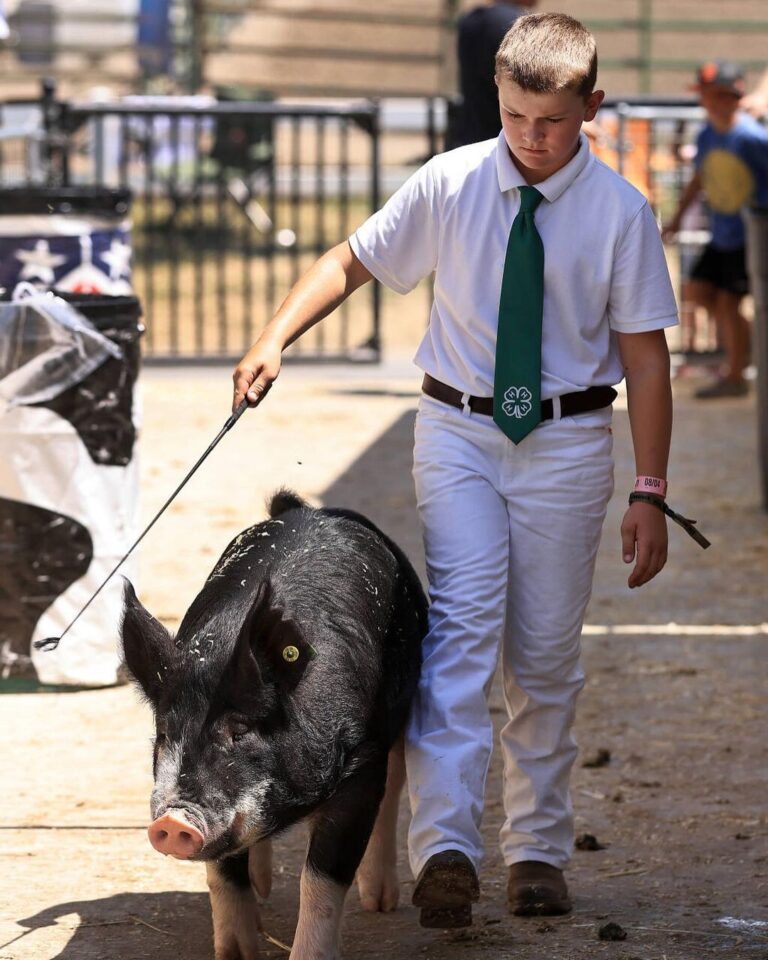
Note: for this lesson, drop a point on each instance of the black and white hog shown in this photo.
(283, 698)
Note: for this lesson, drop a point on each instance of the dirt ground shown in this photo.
(675, 695)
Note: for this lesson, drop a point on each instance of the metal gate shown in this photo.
(232, 201)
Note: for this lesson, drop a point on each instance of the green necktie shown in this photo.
(517, 377)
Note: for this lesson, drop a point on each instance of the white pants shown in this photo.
(511, 535)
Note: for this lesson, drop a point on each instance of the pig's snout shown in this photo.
(173, 834)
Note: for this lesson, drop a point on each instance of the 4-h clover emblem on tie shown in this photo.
(517, 402)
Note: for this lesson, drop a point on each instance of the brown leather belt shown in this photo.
(570, 403)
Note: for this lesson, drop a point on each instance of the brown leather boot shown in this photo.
(445, 890)
(537, 890)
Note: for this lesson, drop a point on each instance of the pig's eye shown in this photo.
(237, 730)
(159, 739)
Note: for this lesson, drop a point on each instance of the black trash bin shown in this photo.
(69, 500)
(70, 238)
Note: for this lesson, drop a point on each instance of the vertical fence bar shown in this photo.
(222, 240)
(62, 151)
(98, 146)
(198, 239)
(122, 151)
(344, 214)
(271, 238)
(172, 253)
(149, 228)
(296, 226)
(296, 197)
(375, 200)
(319, 245)
(247, 228)
(51, 128)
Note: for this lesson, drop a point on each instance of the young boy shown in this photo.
(513, 468)
(732, 172)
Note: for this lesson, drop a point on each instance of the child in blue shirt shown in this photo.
(732, 173)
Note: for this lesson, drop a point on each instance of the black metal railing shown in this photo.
(231, 203)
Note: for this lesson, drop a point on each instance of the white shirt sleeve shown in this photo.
(641, 296)
(399, 243)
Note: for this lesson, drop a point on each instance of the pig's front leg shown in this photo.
(260, 867)
(236, 922)
(377, 882)
(339, 835)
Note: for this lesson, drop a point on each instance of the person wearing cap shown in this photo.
(731, 173)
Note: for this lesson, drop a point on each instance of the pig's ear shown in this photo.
(147, 645)
(281, 649)
(271, 654)
(242, 681)
(277, 644)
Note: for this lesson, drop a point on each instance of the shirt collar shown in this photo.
(551, 188)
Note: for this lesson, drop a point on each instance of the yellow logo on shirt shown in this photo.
(728, 182)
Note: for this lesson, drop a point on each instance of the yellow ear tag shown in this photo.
(290, 654)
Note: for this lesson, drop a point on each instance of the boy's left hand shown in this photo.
(644, 540)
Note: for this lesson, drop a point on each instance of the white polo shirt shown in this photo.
(604, 266)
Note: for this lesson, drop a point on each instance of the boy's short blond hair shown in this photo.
(547, 53)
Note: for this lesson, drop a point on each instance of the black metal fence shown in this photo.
(231, 203)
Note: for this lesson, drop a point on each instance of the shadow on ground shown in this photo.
(379, 484)
(134, 925)
(160, 926)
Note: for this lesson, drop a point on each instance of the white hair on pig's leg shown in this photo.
(320, 910)
(236, 921)
(377, 882)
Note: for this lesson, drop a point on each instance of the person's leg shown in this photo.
(702, 296)
(701, 293)
(556, 513)
(735, 329)
(701, 288)
(731, 285)
(449, 738)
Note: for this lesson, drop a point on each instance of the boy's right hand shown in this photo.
(256, 373)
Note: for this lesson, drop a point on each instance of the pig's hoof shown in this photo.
(378, 887)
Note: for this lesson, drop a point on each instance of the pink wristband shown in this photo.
(651, 485)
